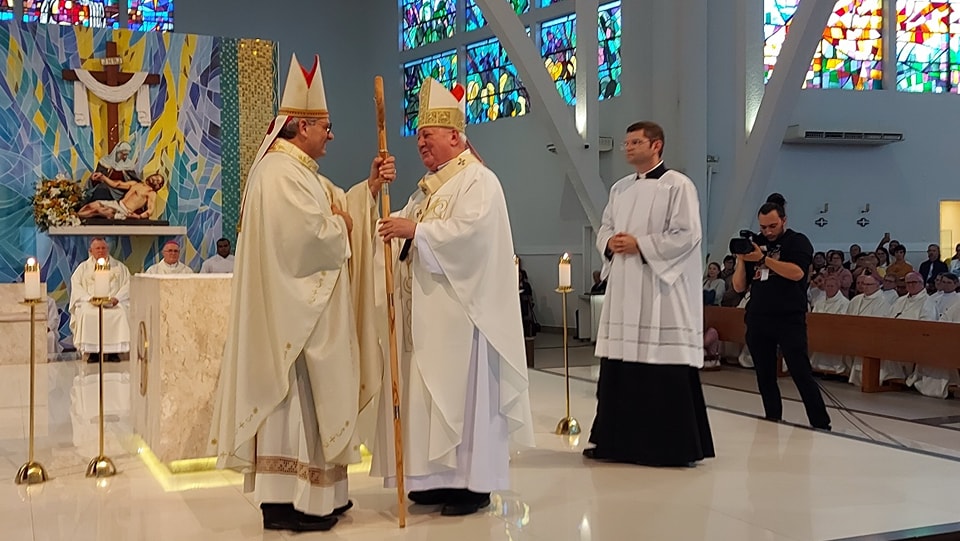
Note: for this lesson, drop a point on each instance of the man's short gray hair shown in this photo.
(290, 129)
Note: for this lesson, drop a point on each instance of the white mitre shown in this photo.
(442, 108)
(303, 97)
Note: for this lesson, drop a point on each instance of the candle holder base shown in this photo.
(101, 467)
(568, 426)
(31, 473)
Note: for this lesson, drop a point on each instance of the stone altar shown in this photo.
(15, 326)
(178, 327)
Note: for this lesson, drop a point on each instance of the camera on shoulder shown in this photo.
(744, 243)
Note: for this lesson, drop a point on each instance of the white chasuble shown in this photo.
(84, 317)
(463, 364)
(875, 305)
(653, 312)
(164, 268)
(292, 299)
(830, 363)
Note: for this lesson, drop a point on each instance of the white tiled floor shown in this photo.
(769, 482)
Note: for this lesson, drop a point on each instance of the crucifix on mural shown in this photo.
(112, 77)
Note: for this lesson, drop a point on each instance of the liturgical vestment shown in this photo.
(164, 268)
(290, 386)
(464, 384)
(830, 363)
(84, 317)
(875, 305)
(930, 380)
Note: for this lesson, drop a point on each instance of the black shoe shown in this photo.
(591, 453)
(283, 516)
(436, 496)
(343, 509)
(467, 506)
(93, 359)
(112, 358)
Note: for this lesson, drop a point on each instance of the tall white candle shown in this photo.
(516, 267)
(565, 271)
(101, 279)
(31, 280)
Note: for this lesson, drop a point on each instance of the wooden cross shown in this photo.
(111, 76)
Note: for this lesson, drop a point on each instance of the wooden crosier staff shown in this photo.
(391, 309)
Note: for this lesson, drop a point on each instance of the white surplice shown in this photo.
(656, 315)
(875, 305)
(217, 265)
(828, 362)
(165, 268)
(84, 317)
(917, 307)
(933, 381)
(292, 305)
(464, 384)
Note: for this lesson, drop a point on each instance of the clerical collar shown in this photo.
(292, 150)
(654, 173)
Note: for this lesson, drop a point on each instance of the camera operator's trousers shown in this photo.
(789, 332)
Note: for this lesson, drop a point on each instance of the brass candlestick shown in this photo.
(101, 466)
(32, 473)
(568, 426)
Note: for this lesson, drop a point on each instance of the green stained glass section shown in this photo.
(475, 17)
(426, 21)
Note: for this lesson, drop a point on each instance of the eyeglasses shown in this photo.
(914, 282)
(632, 143)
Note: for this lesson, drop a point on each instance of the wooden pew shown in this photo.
(930, 343)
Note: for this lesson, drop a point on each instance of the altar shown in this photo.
(178, 324)
(15, 327)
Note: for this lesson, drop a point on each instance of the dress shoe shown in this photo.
(342, 509)
(467, 503)
(591, 453)
(436, 496)
(283, 516)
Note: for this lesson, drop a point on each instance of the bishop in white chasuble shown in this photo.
(84, 317)
(464, 386)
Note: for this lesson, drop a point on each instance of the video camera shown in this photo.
(744, 243)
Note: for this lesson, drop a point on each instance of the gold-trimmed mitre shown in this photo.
(442, 108)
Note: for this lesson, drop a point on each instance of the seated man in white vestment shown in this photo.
(84, 317)
(915, 305)
(170, 264)
(650, 404)
(869, 303)
(463, 365)
(831, 302)
(302, 359)
(935, 381)
(221, 262)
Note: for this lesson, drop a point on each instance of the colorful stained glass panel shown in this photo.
(475, 17)
(558, 44)
(545, 3)
(849, 55)
(426, 21)
(494, 89)
(442, 67)
(6, 10)
(928, 46)
(608, 35)
(90, 13)
(150, 15)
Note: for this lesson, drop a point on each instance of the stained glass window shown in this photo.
(493, 86)
(928, 46)
(442, 67)
(6, 10)
(426, 21)
(475, 18)
(850, 54)
(558, 44)
(608, 35)
(545, 3)
(776, 16)
(91, 13)
(150, 15)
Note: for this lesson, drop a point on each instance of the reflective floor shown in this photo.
(769, 482)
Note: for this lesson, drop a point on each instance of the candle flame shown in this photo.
(565, 258)
(31, 261)
(101, 261)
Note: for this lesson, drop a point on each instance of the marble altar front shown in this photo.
(15, 326)
(178, 326)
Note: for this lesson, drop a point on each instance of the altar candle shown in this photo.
(101, 279)
(31, 280)
(516, 267)
(565, 271)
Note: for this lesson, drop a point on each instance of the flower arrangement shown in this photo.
(56, 202)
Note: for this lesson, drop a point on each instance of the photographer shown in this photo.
(776, 273)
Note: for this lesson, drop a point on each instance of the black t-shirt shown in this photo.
(777, 295)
